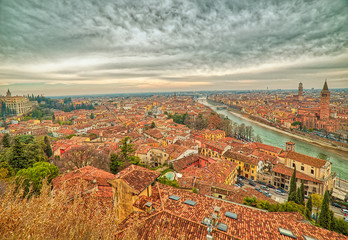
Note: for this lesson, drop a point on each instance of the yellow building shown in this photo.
(247, 166)
(130, 184)
(213, 135)
(16, 105)
(317, 169)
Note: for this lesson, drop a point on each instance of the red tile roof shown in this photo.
(312, 161)
(137, 177)
(175, 219)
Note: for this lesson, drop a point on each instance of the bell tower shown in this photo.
(325, 103)
(300, 92)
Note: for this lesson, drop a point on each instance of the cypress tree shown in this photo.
(332, 221)
(292, 192)
(309, 208)
(302, 193)
(48, 149)
(298, 196)
(6, 141)
(324, 217)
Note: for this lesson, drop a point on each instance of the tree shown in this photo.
(332, 220)
(153, 125)
(92, 116)
(250, 201)
(47, 148)
(115, 163)
(292, 192)
(127, 148)
(82, 156)
(325, 217)
(298, 196)
(215, 122)
(316, 202)
(302, 194)
(6, 141)
(309, 208)
(18, 160)
(31, 178)
(258, 138)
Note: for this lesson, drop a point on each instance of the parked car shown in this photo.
(336, 205)
(282, 190)
(258, 189)
(344, 210)
(264, 187)
(252, 183)
(267, 194)
(242, 177)
(236, 185)
(271, 186)
(279, 192)
(346, 219)
(240, 183)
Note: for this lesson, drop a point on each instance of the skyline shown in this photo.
(71, 48)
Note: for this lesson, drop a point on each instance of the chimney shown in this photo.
(290, 146)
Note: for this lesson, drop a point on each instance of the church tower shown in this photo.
(300, 92)
(325, 103)
(8, 94)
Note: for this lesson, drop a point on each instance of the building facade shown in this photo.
(16, 105)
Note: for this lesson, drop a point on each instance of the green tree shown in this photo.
(127, 148)
(250, 201)
(302, 194)
(47, 148)
(153, 125)
(6, 141)
(309, 208)
(317, 202)
(324, 217)
(292, 192)
(115, 163)
(298, 196)
(92, 116)
(332, 220)
(18, 160)
(31, 178)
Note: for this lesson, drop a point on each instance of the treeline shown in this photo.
(26, 159)
(66, 106)
(214, 121)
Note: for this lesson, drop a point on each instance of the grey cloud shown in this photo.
(187, 37)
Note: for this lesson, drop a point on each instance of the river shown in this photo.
(275, 138)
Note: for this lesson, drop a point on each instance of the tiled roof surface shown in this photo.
(312, 161)
(85, 179)
(267, 147)
(138, 177)
(184, 162)
(176, 217)
(240, 157)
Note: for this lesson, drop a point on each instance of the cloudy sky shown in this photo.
(64, 47)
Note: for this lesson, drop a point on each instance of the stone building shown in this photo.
(315, 173)
(15, 104)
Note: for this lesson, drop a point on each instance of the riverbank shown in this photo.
(340, 150)
(295, 135)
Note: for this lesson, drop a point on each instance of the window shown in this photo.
(312, 171)
(293, 165)
(302, 168)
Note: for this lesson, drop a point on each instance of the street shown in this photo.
(281, 199)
